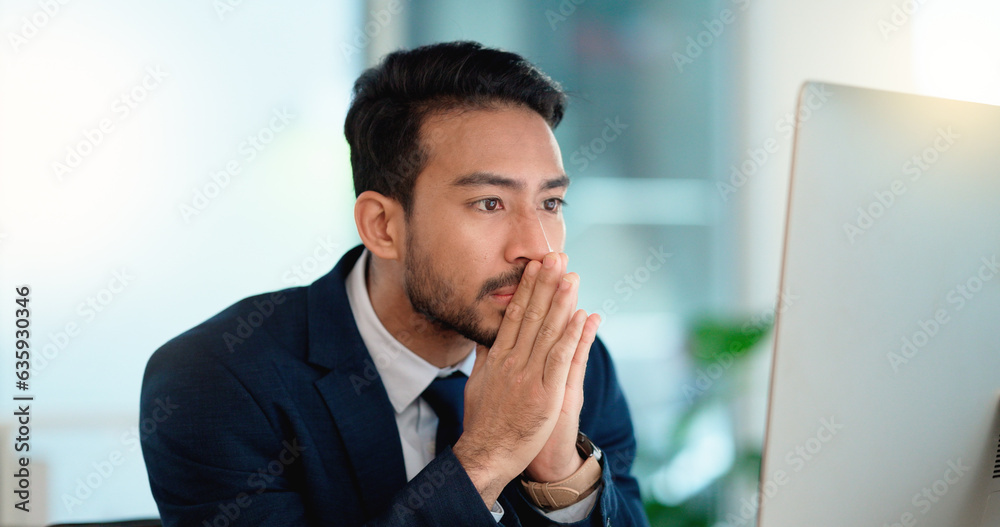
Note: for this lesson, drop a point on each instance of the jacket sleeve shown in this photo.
(216, 458)
(606, 420)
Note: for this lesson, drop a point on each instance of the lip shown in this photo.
(502, 299)
(505, 291)
(504, 294)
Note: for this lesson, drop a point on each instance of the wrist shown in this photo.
(553, 495)
(555, 469)
(486, 477)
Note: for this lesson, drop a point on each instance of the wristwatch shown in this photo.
(554, 495)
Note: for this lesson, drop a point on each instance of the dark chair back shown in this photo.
(124, 523)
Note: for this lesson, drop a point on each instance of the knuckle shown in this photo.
(547, 332)
(558, 356)
(510, 363)
(563, 356)
(492, 358)
(515, 312)
(537, 392)
(533, 314)
(568, 339)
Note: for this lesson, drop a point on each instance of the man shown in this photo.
(341, 403)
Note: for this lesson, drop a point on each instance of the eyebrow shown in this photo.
(483, 179)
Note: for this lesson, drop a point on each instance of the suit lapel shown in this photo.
(355, 395)
(353, 390)
(367, 425)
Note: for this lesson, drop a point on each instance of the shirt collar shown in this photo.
(405, 374)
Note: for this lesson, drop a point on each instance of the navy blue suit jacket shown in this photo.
(276, 415)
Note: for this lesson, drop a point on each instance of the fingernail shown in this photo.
(549, 261)
(565, 284)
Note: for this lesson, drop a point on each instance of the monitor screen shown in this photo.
(885, 387)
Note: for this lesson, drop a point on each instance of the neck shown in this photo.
(442, 348)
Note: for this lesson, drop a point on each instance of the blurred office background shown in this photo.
(161, 160)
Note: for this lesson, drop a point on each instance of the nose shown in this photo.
(528, 239)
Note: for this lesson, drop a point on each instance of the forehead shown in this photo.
(514, 142)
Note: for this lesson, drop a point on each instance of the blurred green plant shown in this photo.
(719, 350)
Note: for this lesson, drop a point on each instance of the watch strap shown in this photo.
(554, 495)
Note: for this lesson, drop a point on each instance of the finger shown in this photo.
(477, 368)
(578, 368)
(541, 301)
(554, 325)
(560, 357)
(511, 323)
(481, 353)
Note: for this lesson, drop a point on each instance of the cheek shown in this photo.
(457, 257)
(456, 244)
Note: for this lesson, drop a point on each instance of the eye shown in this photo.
(489, 204)
(553, 204)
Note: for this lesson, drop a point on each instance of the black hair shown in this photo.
(391, 100)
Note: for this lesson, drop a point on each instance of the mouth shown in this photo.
(503, 295)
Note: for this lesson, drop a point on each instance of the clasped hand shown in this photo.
(523, 398)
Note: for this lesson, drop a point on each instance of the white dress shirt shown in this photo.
(405, 376)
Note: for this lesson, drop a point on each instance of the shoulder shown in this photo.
(600, 367)
(604, 402)
(258, 329)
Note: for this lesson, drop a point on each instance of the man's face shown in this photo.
(488, 201)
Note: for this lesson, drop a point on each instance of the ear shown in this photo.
(381, 224)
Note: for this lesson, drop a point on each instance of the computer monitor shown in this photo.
(885, 386)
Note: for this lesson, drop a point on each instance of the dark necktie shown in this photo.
(446, 395)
